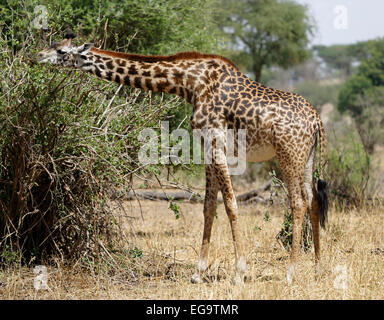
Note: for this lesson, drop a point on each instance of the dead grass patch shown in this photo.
(352, 246)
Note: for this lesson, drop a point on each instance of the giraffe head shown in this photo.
(64, 53)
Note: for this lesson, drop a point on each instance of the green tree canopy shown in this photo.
(363, 96)
(266, 32)
(366, 83)
(142, 26)
(343, 57)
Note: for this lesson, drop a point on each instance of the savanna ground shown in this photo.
(47, 115)
(167, 249)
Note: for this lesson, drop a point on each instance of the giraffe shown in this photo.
(277, 123)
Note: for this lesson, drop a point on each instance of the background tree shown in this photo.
(335, 57)
(266, 32)
(342, 58)
(368, 81)
(362, 95)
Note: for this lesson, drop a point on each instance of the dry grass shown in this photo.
(353, 252)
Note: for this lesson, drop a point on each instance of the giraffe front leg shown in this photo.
(222, 174)
(209, 212)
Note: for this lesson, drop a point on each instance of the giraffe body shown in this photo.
(261, 153)
(277, 123)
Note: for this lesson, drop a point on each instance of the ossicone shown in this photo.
(69, 35)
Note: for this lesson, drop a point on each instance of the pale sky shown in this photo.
(346, 21)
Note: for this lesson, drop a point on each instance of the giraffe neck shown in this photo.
(188, 74)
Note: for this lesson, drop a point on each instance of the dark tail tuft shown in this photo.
(322, 198)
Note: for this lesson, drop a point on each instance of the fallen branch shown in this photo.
(160, 195)
(254, 193)
(248, 197)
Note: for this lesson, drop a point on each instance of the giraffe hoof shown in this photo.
(238, 279)
(196, 278)
(290, 274)
(320, 272)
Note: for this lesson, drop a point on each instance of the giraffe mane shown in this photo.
(187, 55)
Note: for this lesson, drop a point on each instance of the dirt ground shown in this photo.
(167, 250)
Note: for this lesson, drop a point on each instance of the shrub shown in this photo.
(62, 149)
(348, 168)
(68, 140)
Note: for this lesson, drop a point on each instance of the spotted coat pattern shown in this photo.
(278, 123)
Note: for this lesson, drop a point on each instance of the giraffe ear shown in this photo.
(85, 48)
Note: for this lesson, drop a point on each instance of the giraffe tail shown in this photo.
(322, 199)
(322, 192)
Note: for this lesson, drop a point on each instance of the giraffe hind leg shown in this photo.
(310, 202)
(318, 205)
(313, 205)
(293, 173)
(298, 207)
